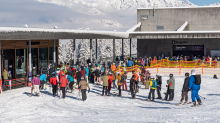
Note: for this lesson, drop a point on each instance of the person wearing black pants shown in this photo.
(151, 93)
(166, 95)
(119, 89)
(71, 85)
(171, 94)
(54, 89)
(159, 83)
(63, 89)
(83, 94)
(104, 89)
(42, 85)
(132, 82)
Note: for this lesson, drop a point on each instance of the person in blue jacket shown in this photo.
(71, 80)
(195, 89)
(130, 63)
(43, 79)
(87, 74)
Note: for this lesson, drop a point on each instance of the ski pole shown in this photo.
(199, 95)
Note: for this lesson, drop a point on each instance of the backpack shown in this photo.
(154, 84)
(197, 79)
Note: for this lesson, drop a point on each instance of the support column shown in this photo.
(130, 48)
(74, 51)
(0, 60)
(91, 50)
(54, 51)
(29, 63)
(113, 49)
(123, 48)
(96, 46)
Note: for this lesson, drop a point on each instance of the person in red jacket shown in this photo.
(83, 72)
(110, 78)
(63, 81)
(54, 82)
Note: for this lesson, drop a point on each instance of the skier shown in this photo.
(171, 84)
(118, 78)
(132, 82)
(87, 74)
(123, 79)
(36, 82)
(71, 80)
(54, 82)
(185, 90)
(110, 78)
(105, 84)
(43, 79)
(153, 85)
(159, 85)
(64, 81)
(83, 86)
(97, 74)
(78, 76)
(83, 72)
(195, 89)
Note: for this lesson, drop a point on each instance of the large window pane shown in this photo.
(43, 58)
(51, 55)
(34, 58)
(21, 63)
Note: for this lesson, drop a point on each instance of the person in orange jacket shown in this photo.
(54, 82)
(113, 67)
(63, 84)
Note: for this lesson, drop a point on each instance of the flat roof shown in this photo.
(182, 7)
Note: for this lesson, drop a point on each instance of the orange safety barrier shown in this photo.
(178, 67)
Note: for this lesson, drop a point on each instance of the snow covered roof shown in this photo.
(182, 7)
(9, 33)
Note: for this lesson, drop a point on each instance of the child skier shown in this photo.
(153, 85)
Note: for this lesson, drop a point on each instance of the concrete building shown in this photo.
(178, 31)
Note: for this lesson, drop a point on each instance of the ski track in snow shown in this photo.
(17, 106)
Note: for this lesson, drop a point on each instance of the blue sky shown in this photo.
(204, 2)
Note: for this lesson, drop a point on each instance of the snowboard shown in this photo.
(183, 104)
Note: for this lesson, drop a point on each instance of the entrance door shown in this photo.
(188, 50)
(9, 61)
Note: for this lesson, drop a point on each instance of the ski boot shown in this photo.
(199, 101)
(181, 103)
(194, 104)
(185, 103)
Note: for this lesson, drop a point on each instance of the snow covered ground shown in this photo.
(16, 106)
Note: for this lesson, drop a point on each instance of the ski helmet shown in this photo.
(171, 75)
(186, 74)
(157, 74)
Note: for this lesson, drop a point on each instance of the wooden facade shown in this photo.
(24, 44)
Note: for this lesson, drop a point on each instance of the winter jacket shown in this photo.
(118, 77)
(186, 85)
(136, 77)
(153, 84)
(83, 73)
(130, 63)
(78, 76)
(103, 69)
(171, 83)
(159, 81)
(192, 84)
(113, 67)
(50, 72)
(87, 71)
(143, 71)
(132, 81)
(53, 80)
(5, 75)
(36, 81)
(43, 77)
(83, 84)
(123, 78)
(63, 81)
(110, 78)
(97, 73)
(113, 76)
(61, 73)
(105, 80)
(70, 78)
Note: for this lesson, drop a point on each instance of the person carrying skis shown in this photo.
(194, 87)
(105, 84)
(132, 82)
(63, 81)
(153, 85)
(83, 86)
(36, 82)
(185, 90)
(159, 85)
(54, 82)
(43, 79)
(171, 84)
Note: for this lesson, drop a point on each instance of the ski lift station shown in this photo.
(168, 31)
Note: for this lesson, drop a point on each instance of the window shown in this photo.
(144, 17)
(160, 27)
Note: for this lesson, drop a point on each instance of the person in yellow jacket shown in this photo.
(153, 85)
(118, 78)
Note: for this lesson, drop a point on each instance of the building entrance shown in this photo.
(188, 50)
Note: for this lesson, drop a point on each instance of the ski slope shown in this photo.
(17, 107)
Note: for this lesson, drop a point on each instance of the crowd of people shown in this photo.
(78, 77)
